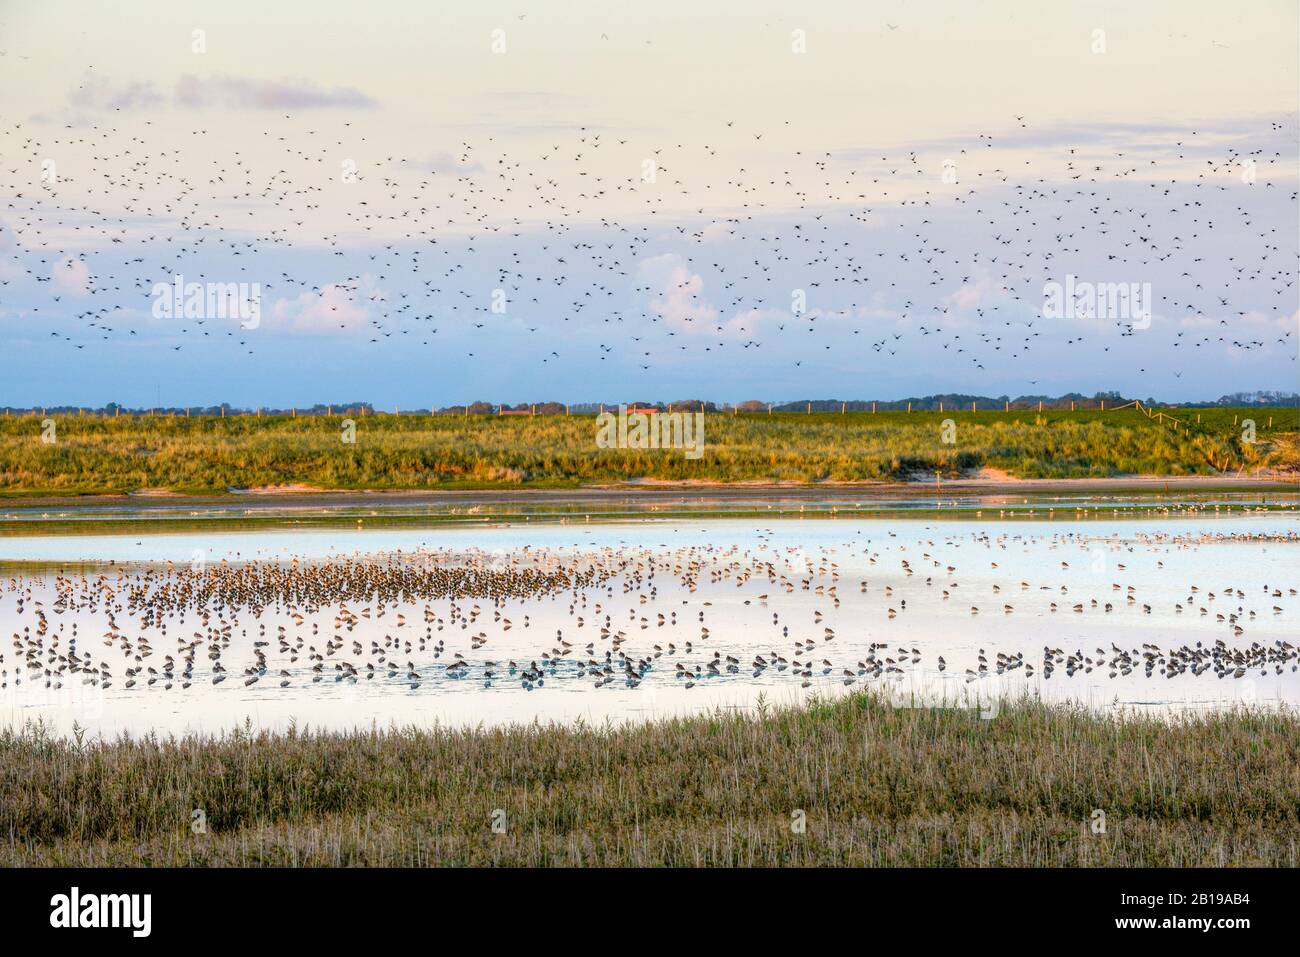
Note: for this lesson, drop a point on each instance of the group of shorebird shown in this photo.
(413, 281)
(390, 618)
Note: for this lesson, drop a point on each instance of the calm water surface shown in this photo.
(860, 590)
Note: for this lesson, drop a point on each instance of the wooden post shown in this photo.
(1040, 405)
(909, 406)
(769, 408)
(873, 407)
(972, 406)
(941, 405)
(1071, 405)
(1103, 405)
(293, 412)
(842, 405)
(1008, 406)
(810, 408)
(534, 408)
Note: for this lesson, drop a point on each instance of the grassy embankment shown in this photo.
(206, 455)
(879, 785)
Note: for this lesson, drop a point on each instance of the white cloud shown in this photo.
(99, 92)
(717, 232)
(676, 291)
(72, 276)
(335, 309)
(239, 92)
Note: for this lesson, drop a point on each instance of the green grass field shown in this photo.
(211, 454)
(877, 785)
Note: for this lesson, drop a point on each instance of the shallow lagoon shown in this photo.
(903, 561)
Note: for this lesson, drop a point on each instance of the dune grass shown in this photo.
(878, 785)
(207, 454)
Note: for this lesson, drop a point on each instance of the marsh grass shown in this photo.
(205, 454)
(879, 784)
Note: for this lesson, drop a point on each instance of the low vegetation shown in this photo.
(213, 454)
(876, 784)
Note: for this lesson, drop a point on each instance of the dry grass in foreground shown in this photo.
(880, 785)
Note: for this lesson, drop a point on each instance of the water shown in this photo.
(586, 505)
(903, 561)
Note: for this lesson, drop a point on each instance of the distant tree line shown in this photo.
(955, 401)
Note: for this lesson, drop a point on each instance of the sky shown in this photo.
(574, 201)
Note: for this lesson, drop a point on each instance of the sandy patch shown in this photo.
(288, 488)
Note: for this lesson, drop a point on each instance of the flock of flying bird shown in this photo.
(627, 616)
(592, 248)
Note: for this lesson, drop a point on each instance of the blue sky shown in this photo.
(578, 204)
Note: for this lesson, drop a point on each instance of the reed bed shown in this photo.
(878, 784)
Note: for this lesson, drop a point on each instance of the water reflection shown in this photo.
(1140, 613)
